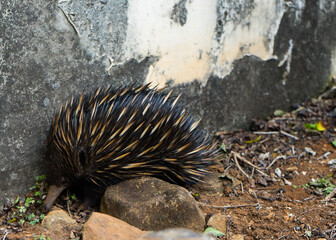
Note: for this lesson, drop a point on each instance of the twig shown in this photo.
(227, 168)
(265, 133)
(258, 169)
(229, 206)
(275, 159)
(246, 161)
(222, 133)
(293, 150)
(68, 203)
(238, 166)
(332, 194)
(228, 222)
(4, 237)
(255, 195)
(310, 210)
(308, 198)
(324, 156)
(265, 140)
(289, 135)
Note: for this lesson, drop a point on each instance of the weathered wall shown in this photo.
(233, 60)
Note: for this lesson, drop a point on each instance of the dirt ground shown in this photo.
(277, 177)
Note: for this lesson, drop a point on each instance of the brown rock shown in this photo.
(292, 169)
(237, 237)
(101, 226)
(152, 204)
(57, 220)
(218, 221)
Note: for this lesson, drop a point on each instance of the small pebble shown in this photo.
(72, 235)
(310, 151)
(287, 182)
(264, 156)
(262, 182)
(277, 172)
(292, 169)
(332, 162)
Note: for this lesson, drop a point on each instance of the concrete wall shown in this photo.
(233, 60)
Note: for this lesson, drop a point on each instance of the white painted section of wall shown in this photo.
(183, 50)
(185, 53)
(191, 52)
(254, 35)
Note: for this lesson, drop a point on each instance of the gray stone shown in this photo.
(175, 234)
(152, 204)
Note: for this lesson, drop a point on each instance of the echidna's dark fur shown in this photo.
(103, 138)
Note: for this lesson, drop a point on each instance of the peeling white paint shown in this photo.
(287, 57)
(192, 52)
(254, 35)
(333, 62)
(298, 6)
(183, 50)
(185, 53)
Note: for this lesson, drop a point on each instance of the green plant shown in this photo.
(40, 237)
(24, 210)
(322, 183)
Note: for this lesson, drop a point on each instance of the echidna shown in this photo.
(99, 139)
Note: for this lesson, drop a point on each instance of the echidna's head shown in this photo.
(64, 168)
(56, 178)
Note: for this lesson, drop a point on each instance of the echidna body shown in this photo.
(99, 139)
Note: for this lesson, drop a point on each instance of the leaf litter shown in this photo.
(287, 168)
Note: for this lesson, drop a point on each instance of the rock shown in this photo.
(332, 161)
(292, 169)
(176, 234)
(263, 182)
(278, 172)
(72, 235)
(310, 151)
(218, 221)
(101, 226)
(58, 220)
(237, 237)
(287, 182)
(152, 204)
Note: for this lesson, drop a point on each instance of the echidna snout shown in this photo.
(99, 139)
(52, 195)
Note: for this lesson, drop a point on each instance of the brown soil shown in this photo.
(264, 205)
